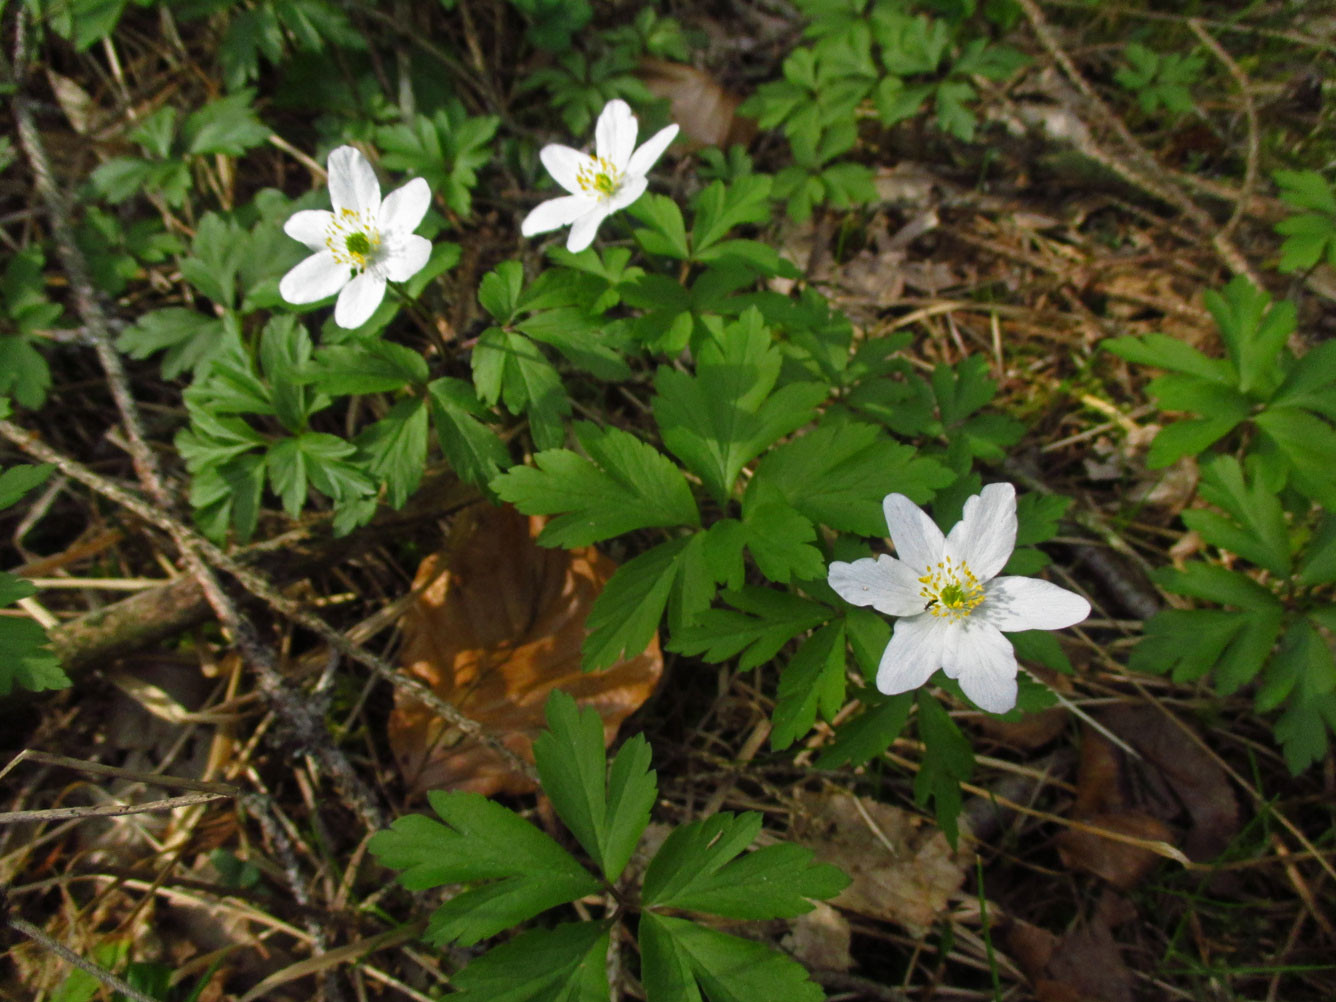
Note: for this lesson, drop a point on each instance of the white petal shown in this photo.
(888, 585)
(408, 258)
(650, 151)
(359, 299)
(404, 207)
(631, 188)
(556, 213)
(914, 653)
(584, 229)
(615, 133)
(310, 226)
(984, 663)
(317, 277)
(565, 165)
(352, 182)
(918, 541)
(986, 533)
(1016, 603)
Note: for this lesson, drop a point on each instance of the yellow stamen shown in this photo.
(951, 589)
(352, 239)
(604, 181)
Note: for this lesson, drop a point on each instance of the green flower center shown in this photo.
(951, 589)
(353, 238)
(603, 179)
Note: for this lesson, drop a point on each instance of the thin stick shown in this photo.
(1250, 110)
(111, 810)
(70, 957)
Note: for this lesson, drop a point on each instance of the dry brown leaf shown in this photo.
(902, 868)
(820, 939)
(497, 627)
(706, 112)
(1084, 965)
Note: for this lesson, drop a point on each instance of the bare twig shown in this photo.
(111, 810)
(1250, 110)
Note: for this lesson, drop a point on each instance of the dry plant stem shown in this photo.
(111, 810)
(1250, 110)
(1148, 176)
(70, 957)
(261, 589)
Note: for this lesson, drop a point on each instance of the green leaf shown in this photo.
(764, 621)
(26, 659)
(870, 733)
(720, 208)
(1037, 517)
(1254, 333)
(838, 473)
(812, 681)
(216, 254)
(1309, 444)
(1319, 563)
(948, 760)
(228, 125)
(1310, 383)
(780, 539)
(627, 612)
(628, 485)
(526, 872)
(725, 415)
(189, 338)
(473, 449)
(1216, 584)
(1165, 352)
(370, 366)
(565, 964)
(1188, 438)
(677, 956)
(509, 367)
(1257, 531)
(394, 449)
(1302, 732)
(499, 291)
(607, 812)
(667, 234)
(1306, 189)
(696, 869)
(19, 480)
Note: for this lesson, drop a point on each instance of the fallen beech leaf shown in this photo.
(820, 939)
(497, 627)
(1101, 801)
(909, 883)
(1189, 777)
(706, 112)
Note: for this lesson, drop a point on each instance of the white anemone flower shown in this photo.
(952, 606)
(361, 245)
(599, 185)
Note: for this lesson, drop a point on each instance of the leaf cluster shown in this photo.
(514, 872)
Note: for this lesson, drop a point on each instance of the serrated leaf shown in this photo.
(764, 621)
(677, 956)
(1257, 531)
(812, 682)
(1302, 732)
(565, 964)
(473, 449)
(509, 367)
(666, 233)
(370, 366)
(1188, 438)
(606, 811)
(1165, 352)
(228, 125)
(1186, 643)
(1309, 444)
(948, 760)
(725, 415)
(720, 208)
(1037, 517)
(19, 480)
(499, 291)
(1216, 584)
(869, 734)
(628, 610)
(1254, 333)
(696, 869)
(527, 872)
(189, 338)
(628, 485)
(1319, 563)
(26, 659)
(780, 541)
(395, 449)
(838, 473)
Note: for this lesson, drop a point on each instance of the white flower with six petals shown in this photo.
(359, 246)
(951, 605)
(599, 185)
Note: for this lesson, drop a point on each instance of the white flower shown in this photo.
(359, 246)
(599, 185)
(953, 607)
